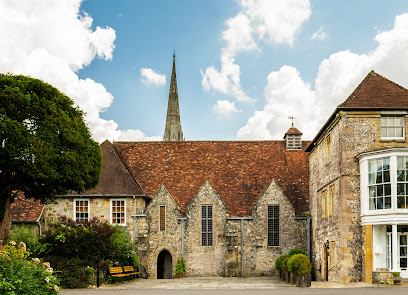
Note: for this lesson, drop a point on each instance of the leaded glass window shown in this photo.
(273, 225)
(207, 225)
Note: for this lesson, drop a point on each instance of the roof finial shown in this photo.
(174, 54)
(292, 118)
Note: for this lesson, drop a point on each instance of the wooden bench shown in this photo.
(123, 271)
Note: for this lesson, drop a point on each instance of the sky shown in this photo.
(243, 66)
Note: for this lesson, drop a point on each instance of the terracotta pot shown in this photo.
(179, 275)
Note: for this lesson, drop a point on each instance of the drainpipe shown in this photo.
(242, 239)
(134, 217)
(182, 219)
(309, 242)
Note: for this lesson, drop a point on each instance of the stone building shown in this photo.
(229, 208)
(358, 184)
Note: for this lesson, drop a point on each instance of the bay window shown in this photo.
(384, 180)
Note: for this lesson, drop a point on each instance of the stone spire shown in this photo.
(173, 130)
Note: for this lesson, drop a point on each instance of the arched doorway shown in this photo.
(164, 265)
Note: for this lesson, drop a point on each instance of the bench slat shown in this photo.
(121, 272)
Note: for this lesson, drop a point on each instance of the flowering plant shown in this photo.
(20, 275)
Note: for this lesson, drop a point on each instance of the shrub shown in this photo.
(285, 262)
(180, 266)
(297, 251)
(279, 262)
(123, 253)
(299, 264)
(22, 275)
(26, 235)
(75, 249)
(395, 274)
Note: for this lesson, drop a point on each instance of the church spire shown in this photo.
(173, 130)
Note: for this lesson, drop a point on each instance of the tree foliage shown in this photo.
(45, 147)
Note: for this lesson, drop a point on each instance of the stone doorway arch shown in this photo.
(164, 265)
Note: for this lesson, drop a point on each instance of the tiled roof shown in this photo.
(377, 92)
(240, 171)
(293, 131)
(23, 210)
(115, 178)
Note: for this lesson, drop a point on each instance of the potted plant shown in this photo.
(180, 267)
(396, 277)
(279, 266)
(301, 267)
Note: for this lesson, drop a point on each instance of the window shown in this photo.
(324, 204)
(207, 225)
(402, 182)
(118, 212)
(273, 225)
(392, 127)
(327, 148)
(293, 142)
(162, 218)
(81, 210)
(379, 184)
(332, 201)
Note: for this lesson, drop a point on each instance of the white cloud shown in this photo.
(52, 40)
(238, 35)
(273, 20)
(225, 107)
(286, 93)
(276, 20)
(320, 34)
(150, 77)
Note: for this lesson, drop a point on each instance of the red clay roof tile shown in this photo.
(240, 171)
(23, 210)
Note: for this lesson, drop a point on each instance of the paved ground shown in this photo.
(244, 286)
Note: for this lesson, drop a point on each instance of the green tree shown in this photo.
(45, 147)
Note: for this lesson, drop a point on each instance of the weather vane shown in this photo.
(292, 118)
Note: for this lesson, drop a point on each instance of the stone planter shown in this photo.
(397, 280)
(304, 280)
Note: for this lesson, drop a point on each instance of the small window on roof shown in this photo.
(392, 127)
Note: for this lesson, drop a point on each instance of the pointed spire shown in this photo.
(173, 130)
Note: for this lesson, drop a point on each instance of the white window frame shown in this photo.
(111, 212)
(393, 114)
(74, 209)
(382, 216)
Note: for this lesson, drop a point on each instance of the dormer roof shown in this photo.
(292, 131)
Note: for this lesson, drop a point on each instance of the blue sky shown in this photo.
(242, 66)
